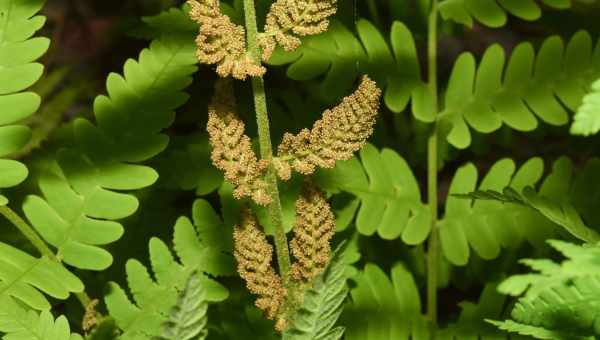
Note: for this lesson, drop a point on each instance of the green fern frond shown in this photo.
(390, 199)
(494, 13)
(19, 323)
(79, 199)
(18, 71)
(498, 92)
(384, 308)
(200, 249)
(188, 317)
(27, 279)
(322, 305)
(587, 119)
(342, 57)
(562, 300)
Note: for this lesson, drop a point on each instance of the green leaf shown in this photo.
(498, 92)
(494, 13)
(18, 71)
(188, 318)
(18, 323)
(587, 119)
(322, 305)
(199, 249)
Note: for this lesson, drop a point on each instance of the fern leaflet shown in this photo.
(18, 71)
(200, 249)
(587, 119)
(188, 317)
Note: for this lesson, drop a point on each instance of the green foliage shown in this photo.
(322, 305)
(493, 13)
(200, 248)
(18, 71)
(390, 200)
(587, 118)
(188, 317)
(562, 300)
(19, 323)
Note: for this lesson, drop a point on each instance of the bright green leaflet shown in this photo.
(200, 249)
(18, 71)
(587, 119)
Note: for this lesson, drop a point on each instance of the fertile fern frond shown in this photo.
(494, 13)
(322, 305)
(188, 317)
(79, 200)
(390, 199)
(25, 278)
(200, 249)
(19, 323)
(342, 57)
(562, 300)
(18, 71)
(587, 119)
(384, 307)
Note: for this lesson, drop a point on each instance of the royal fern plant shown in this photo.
(299, 169)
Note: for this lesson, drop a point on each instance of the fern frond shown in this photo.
(200, 249)
(188, 317)
(498, 92)
(390, 199)
(384, 307)
(18, 71)
(79, 202)
(19, 323)
(562, 300)
(494, 13)
(342, 57)
(587, 119)
(27, 278)
(322, 305)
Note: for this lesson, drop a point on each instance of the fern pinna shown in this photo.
(388, 192)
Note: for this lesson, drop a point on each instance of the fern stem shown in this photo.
(433, 252)
(264, 137)
(37, 242)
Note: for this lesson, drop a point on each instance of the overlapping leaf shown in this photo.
(390, 200)
(562, 300)
(494, 13)
(18, 323)
(200, 249)
(587, 119)
(521, 91)
(18, 71)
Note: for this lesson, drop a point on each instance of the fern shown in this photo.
(74, 215)
(18, 71)
(19, 323)
(390, 200)
(562, 300)
(384, 309)
(188, 316)
(493, 13)
(587, 119)
(200, 250)
(322, 305)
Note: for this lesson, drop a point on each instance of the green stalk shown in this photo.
(264, 137)
(37, 242)
(432, 173)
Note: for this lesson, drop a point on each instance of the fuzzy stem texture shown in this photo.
(264, 137)
(433, 251)
(37, 242)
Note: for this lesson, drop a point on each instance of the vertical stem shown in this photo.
(264, 137)
(37, 242)
(432, 173)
